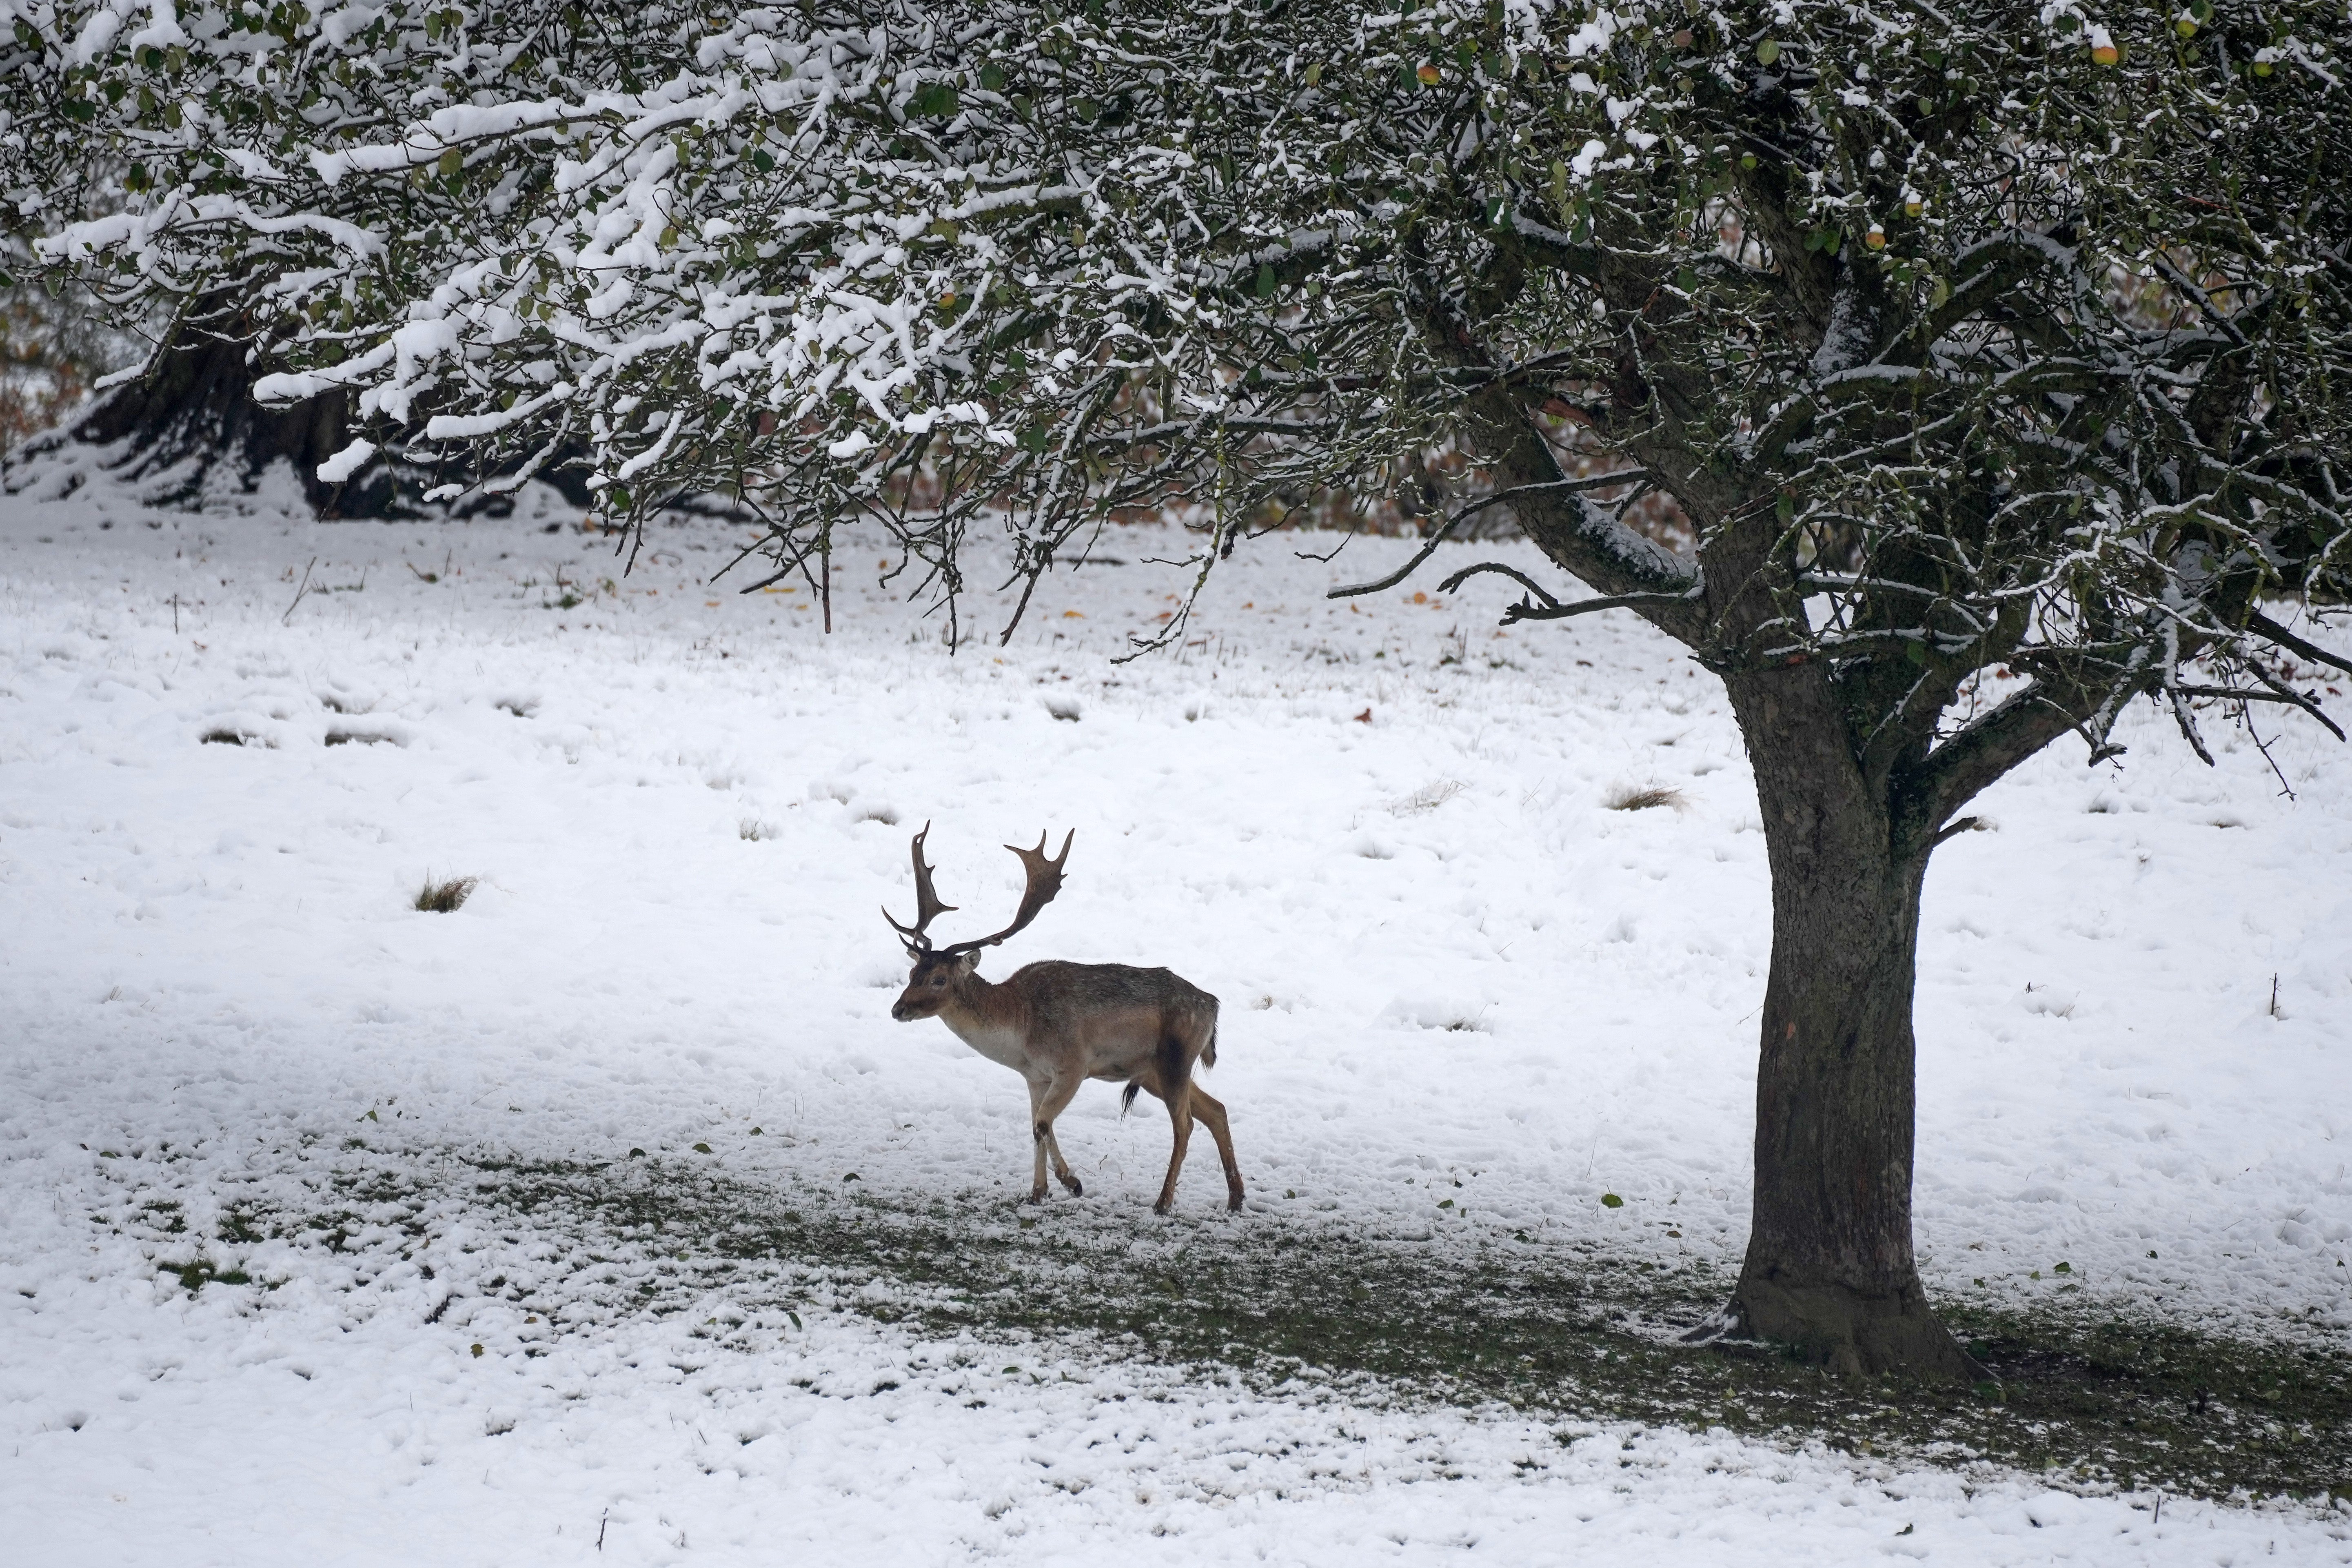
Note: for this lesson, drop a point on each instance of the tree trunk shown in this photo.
(196, 413)
(1830, 1268)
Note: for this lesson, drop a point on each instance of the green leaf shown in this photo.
(1768, 51)
(992, 76)
(1612, 1201)
(1266, 281)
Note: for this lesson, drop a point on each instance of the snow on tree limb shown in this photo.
(2012, 339)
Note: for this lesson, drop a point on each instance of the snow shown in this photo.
(1379, 832)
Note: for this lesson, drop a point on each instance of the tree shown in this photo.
(1996, 362)
(175, 143)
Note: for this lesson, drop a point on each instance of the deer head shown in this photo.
(936, 970)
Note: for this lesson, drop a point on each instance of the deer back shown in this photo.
(1113, 1016)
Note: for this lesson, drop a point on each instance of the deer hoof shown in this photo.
(1077, 1188)
(1162, 1206)
(1036, 1198)
(1233, 1202)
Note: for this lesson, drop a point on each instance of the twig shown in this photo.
(299, 592)
(2263, 746)
(1349, 590)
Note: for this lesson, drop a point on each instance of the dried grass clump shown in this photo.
(443, 898)
(1642, 799)
(1428, 797)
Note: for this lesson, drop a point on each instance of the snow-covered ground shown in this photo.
(1450, 974)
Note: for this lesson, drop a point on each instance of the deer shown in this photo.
(1058, 1025)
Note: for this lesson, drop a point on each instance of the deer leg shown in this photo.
(1056, 1100)
(1178, 1098)
(1210, 1112)
(1040, 1135)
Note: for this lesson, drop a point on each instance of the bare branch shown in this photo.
(1552, 609)
(2259, 622)
(1590, 482)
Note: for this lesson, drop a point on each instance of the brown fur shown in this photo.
(1058, 1025)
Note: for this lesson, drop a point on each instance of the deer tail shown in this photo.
(1127, 1099)
(1208, 1051)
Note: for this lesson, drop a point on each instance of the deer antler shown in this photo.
(1045, 881)
(928, 907)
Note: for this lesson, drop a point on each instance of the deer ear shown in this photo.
(967, 962)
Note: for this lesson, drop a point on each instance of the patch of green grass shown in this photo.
(194, 1277)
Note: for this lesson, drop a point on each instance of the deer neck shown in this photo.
(989, 1018)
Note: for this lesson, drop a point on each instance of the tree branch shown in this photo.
(1591, 482)
(2277, 694)
(1552, 609)
(1989, 745)
(2259, 622)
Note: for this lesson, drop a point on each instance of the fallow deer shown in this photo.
(1058, 1025)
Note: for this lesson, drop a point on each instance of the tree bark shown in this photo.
(195, 411)
(1830, 1270)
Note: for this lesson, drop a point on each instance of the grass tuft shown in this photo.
(443, 898)
(1631, 799)
(1428, 797)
